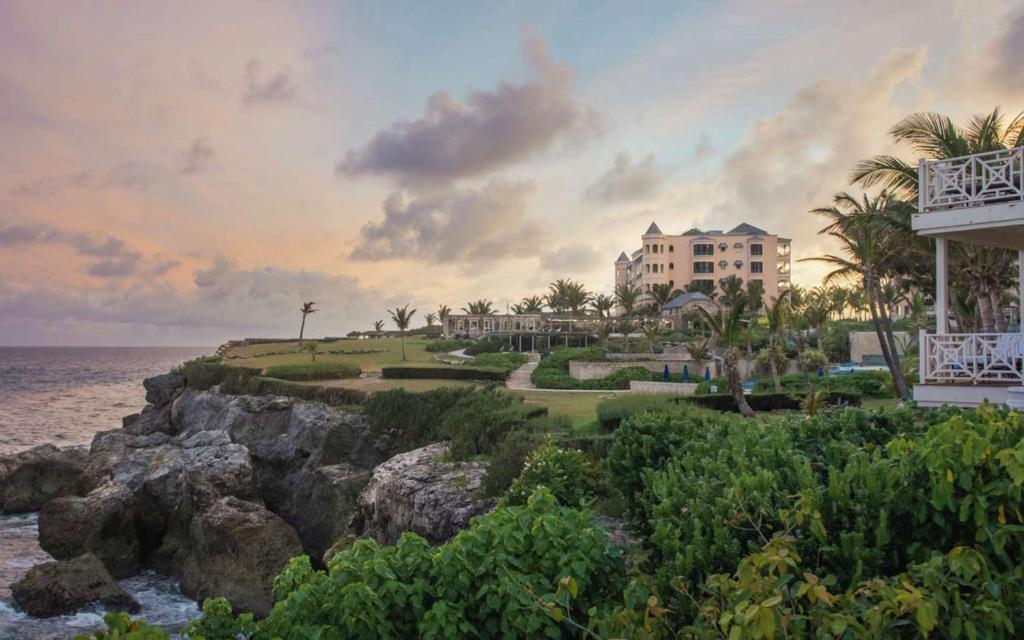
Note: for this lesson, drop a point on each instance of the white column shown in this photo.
(1020, 289)
(941, 288)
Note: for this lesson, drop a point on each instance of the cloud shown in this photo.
(490, 130)
(117, 260)
(135, 176)
(457, 225)
(199, 156)
(1007, 69)
(625, 181)
(572, 259)
(704, 148)
(278, 89)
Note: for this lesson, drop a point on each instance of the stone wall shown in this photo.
(865, 349)
(583, 370)
(669, 388)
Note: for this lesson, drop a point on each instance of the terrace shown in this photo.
(977, 199)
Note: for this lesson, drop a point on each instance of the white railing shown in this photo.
(971, 181)
(972, 357)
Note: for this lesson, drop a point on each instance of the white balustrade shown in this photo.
(972, 181)
(972, 358)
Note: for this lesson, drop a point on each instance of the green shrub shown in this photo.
(612, 411)
(870, 384)
(120, 626)
(484, 345)
(813, 359)
(508, 360)
(570, 476)
(444, 373)
(478, 421)
(553, 371)
(769, 401)
(445, 346)
(507, 461)
(403, 421)
(201, 374)
(258, 386)
(320, 370)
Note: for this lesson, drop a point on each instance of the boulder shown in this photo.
(104, 522)
(162, 389)
(31, 478)
(417, 491)
(65, 586)
(236, 549)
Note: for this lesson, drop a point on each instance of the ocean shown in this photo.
(63, 396)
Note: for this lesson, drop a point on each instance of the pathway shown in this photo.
(520, 378)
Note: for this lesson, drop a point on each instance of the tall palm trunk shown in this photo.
(732, 376)
(302, 328)
(800, 347)
(988, 321)
(875, 309)
(775, 374)
(401, 340)
(997, 311)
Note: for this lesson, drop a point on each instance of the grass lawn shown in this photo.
(581, 408)
(371, 384)
(258, 355)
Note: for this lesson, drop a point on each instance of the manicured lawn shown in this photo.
(376, 383)
(257, 355)
(581, 408)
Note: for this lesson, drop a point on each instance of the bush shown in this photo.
(770, 401)
(444, 373)
(402, 421)
(813, 359)
(611, 412)
(202, 375)
(508, 461)
(553, 371)
(502, 577)
(478, 421)
(320, 370)
(507, 361)
(870, 384)
(335, 396)
(570, 476)
(484, 345)
(445, 346)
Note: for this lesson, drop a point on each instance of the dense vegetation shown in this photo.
(323, 370)
(848, 524)
(553, 371)
(445, 373)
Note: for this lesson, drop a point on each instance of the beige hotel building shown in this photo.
(706, 257)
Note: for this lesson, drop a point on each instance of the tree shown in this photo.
(402, 317)
(627, 297)
(777, 314)
(625, 327)
(727, 326)
(652, 332)
(732, 290)
(378, 327)
(532, 304)
(567, 295)
(602, 304)
(429, 319)
(707, 287)
(479, 308)
(755, 294)
(442, 316)
(700, 351)
(307, 308)
(662, 294)
(604, 331)
(310, 348)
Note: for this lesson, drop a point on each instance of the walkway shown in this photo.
(520, 378)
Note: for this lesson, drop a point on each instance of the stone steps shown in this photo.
(520, 378)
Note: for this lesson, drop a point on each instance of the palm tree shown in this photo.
(652, 332)
(442, 316)
(602, 304)
(727, 326)
(576, 297)
(378, 327)
(479, 308)
(732, 290)
(625, 327)
(706, 287)
(700, 351)
(402, 317)
(870, 258)
(532, 305)
(310, 348)
(627, 297)
(429, 319)
(662, 294)
(777, 314)
(307, 308)
(604, 331)
(755, 294)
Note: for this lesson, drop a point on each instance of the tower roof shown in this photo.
(653, 230)
(748, 230)
(623, 257)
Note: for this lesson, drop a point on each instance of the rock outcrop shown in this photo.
(31, 478)
(420, 492)
(58, 588)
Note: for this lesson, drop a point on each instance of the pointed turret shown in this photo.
(623, 257)
(653, 230)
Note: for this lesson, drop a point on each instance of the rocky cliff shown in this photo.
(221, 490)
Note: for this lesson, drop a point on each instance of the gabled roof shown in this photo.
(747, 230)
(684, 299)
(623, 257)
(653, 230)
(694, 232)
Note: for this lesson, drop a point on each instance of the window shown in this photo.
(703, 267)
(647, 248)
(756, 267)
(671, 265)
(671, 283)
(647, 288)
(647, 268)
(757, 249)
(703, 249)
(722, 246)
(671, 248)
(738, 264)
(723, 264)
(737, 245)
(654, 248)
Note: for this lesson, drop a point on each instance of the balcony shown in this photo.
(972, 358)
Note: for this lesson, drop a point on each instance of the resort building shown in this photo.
(704, 258)
(465, 325)
(976, 199)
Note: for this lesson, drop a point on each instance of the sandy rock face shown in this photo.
(30, 478)
(57, 588)
(417, 491)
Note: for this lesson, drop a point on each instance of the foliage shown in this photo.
(507, 461)
(322, 370)
(218, 623)
(508, 360)
(402, 421)
(834, 340)
(771, 401)
(612, 411)
(553, 371)
(870, 384)
(259, 386)
(813, 359)
(516, 572)
(201, 374)
(571, 477)
(445, 373)
(479, 421)
(444, 346)
(120, 626)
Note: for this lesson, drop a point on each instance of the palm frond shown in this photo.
(889, 172)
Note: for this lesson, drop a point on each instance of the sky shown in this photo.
(184, 173)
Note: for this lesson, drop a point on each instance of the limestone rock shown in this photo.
(236, 550)
(103, 523)
(162, 389)
(416, 491)
(29, 479)
(65, 586)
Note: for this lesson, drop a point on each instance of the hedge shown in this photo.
(250, 381)
(769, 401)
(201, 375)
(313, 371)
(446, 373)
(335, 396)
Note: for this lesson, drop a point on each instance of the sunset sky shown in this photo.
(183, 173)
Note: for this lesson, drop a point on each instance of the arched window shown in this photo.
(738, 264)
(671, 265)
(671, 248)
